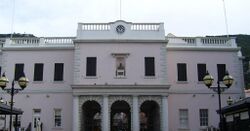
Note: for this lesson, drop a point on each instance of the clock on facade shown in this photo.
(120, 29)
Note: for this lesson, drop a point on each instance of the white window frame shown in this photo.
(55, 117)
(183, 118)
(203, 113)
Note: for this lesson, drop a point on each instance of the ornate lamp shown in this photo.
(208, 80)
(23, 82)
(228, 80)
(3, 81)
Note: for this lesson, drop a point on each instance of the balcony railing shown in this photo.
(201, 41)
(37, 42)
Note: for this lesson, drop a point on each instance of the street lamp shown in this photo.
(227, 80)
(22, 82)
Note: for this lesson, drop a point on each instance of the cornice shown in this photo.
(19, 48)
(119, 41)
(166, 86)
(205, 48)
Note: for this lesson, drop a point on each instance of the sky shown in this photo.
(52, 18)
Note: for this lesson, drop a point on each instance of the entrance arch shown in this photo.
(120, 116)
(149, 116)
(91, 116)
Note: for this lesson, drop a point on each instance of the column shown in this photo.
(75, 124)
(105, 114)
(164, 114)
(136, 123)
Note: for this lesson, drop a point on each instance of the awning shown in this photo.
(5, 110)
(242, 104)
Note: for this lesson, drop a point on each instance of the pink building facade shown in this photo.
(120, 76)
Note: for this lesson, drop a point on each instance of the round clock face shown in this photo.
(120, 29)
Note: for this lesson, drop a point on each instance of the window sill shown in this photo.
(182, 82)
(149, 77)
(57, 128)
(90, 77)
(203, 127)
(120, 77)
(58, 82)
(183, 129)
(38, 82)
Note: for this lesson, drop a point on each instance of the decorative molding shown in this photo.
(156, 99)
(113, 99)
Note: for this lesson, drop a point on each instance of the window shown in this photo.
(58, 117)
(0, 70)
(182, 71)
(183, 114)
(18, 123)
(38, 72)
(58, 74)
(37, 118)
(201, 69)
(203, 117)
(18, 71)
(221, 70)
(120, 66)
(149, 66)
(91, 66)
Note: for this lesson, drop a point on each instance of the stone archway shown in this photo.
(91, 116)
(120, 116)
(149, 116)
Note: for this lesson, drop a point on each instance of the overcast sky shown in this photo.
(181, 17)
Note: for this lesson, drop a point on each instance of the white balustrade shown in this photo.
(58, 40)
(94, 26)
(36, 42)
(201, 41)
(145, 27)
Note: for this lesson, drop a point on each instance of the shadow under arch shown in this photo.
(120, 116)
(150, 116)
(91, 116)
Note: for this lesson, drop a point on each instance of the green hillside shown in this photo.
(244, 42)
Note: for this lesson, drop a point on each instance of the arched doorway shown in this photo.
(149, 116)
(120, 116)
(91, 117)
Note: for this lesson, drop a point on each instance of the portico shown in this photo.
(127, 111)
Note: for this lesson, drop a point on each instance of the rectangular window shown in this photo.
(203, 117)
(38, 72)
(18, 123)
(58, 117)
(201, 69)
(149, 66)
(18, 71)
(183, 114)
(182, 71)
(58, 74)
(0, 70)
(91, 66)
(221, 71)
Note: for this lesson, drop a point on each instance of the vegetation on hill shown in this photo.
(244, 42)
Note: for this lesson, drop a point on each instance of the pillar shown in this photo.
(164, 114)
(75, 124)
(105, 114)
(136, 123)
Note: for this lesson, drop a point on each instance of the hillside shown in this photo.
(244, 42)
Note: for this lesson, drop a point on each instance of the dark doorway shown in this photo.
(149, 116)
(120, 116)
(91, 117)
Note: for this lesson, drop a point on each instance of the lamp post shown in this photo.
(227, 80)
(23, 82)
